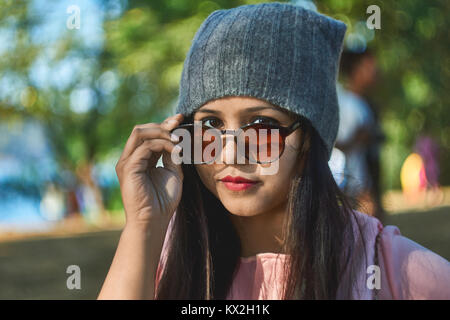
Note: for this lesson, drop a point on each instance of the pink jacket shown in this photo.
(406, 269)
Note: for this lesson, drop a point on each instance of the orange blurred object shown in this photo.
(413, 178)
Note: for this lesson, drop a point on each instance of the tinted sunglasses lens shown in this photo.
(200, 139)
(264, 143)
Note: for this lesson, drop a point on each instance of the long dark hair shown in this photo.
(204, 247)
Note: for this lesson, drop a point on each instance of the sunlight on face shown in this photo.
(255, 193)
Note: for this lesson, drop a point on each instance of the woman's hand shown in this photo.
(149, 193)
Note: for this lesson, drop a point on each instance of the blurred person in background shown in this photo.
(360, 135)
(428, 149)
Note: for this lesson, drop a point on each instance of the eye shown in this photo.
(265, 120)
(212, 122)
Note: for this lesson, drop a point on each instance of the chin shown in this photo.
(241, 207)
(241, 213)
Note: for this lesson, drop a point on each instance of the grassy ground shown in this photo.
(430, 229)
(36, 268)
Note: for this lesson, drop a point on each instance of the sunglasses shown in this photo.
(257, 142)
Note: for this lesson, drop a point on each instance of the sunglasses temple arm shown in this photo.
(294, 126)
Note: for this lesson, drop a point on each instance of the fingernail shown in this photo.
(172, 121)
(174, 137)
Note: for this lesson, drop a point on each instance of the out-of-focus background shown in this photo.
(77, 76)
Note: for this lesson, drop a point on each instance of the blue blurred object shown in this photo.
(27, 167)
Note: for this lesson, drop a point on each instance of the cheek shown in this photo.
(206, 174)
(276, 187)
(288, 168)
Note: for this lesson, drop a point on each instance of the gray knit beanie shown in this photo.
(278, 52)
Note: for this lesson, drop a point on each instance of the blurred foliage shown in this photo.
(412, 51)
(134, 76)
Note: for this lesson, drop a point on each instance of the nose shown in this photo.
(228, 155)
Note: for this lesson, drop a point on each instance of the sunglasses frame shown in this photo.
(284, 132)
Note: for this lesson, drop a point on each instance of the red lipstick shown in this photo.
(237, 183)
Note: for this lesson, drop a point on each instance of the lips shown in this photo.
(238, 183)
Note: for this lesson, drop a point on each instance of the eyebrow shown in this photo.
(247, 110)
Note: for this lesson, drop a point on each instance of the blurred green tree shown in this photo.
(412, 51)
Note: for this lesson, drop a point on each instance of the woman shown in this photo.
(275, 226)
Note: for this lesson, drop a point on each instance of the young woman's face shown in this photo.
(270, 191)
